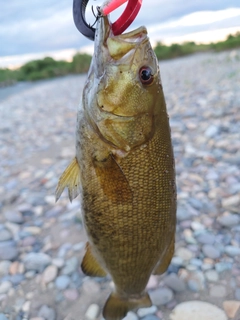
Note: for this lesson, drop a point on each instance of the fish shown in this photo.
(124, 168)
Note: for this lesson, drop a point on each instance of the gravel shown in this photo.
(42, 243)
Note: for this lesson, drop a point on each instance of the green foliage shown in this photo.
(232, 42)
(177, 50)
(43, 69)
(81, 63)
(50, 68)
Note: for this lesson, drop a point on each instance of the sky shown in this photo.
(32, 29)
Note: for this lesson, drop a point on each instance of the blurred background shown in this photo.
(31, 30)
(43, 65)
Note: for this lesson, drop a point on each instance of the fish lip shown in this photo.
(103, 32)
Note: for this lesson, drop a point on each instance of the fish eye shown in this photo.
(146, 76)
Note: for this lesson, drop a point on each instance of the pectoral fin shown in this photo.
(117, 308)
(166, 259)
(69, 179)
(90, 265)
(112, 179)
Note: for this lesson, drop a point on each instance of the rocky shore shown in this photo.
(42, 243)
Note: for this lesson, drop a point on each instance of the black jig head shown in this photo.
(79, 8)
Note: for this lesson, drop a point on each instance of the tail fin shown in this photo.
(116, 308)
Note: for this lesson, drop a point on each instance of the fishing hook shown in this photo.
(118, 27)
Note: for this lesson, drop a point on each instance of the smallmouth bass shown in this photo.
(124, 168)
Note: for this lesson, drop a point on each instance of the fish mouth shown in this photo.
(108, 47)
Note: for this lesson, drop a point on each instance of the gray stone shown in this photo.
(8, 250)
(47, 313)
(206, 238)
(229, 221)
(3, 317)
(70, 266)
(36, 261)
(150, 317)
(237, 293)
(197, 310)
(211, 131)
(4, 267)
(223, 266)
(211, 251)
(14, 216)
(49, 274)
(62, 282)
(182, 213)
(161, 296)
(5, 235)
(232, 251)
(5, 286)
(196, 281)
(131, 316)
(92, 312)
(212, 275)
(146, 311)
(174, 283)
(230, 202)
(218, 291)
(184, 253)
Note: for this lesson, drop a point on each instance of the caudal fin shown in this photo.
(116, 308)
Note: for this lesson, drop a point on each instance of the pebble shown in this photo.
(131, 316)
(174, 282)
(206, 238)
(14, 216)
(231, 307)
(184, 254)
(230, 202)
(211, 251)
(150, 317)
(212, 275)
(161, 296)
(93, 311)
(152, 283)
(5, 286)
(218, 291)
(237, 293)
(232, 251)
(62, 282)
(196, 281)
(26, 306)
(207, 164)
(36, 261)
(5, 235)
(229, 220)
(197, 310)
(59, 263)
(47, 313)
(71, 294)
(4, 267)
(142, 312)
(8, 250)
(70, 266)
(49, 274)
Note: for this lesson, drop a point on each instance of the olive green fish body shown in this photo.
(124, 169)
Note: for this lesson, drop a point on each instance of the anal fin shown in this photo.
(69, 179)
(90, 265)
(116, 308)
(166, 259)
